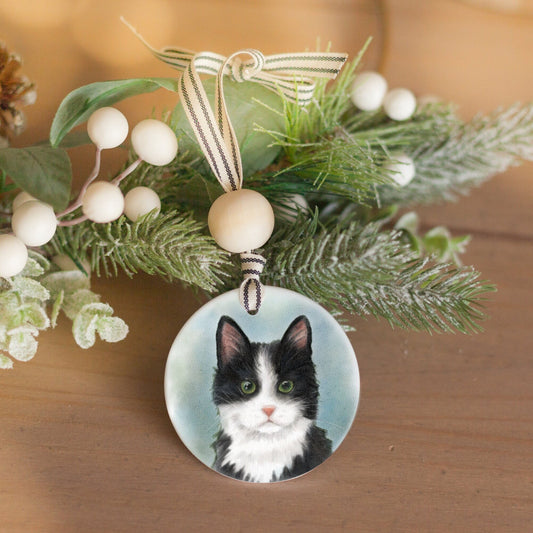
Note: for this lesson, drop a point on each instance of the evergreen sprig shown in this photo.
(171, 245)
(369, 270)
(468, 156)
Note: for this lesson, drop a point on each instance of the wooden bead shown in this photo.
(241, 221)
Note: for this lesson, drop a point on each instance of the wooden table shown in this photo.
(443, 436)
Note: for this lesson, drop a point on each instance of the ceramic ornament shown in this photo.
(285, 386)
(266, 397)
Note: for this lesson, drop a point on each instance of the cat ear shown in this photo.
(231, 341)
(298, 334)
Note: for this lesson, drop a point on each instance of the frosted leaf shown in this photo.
(75, 302)
(3, 336)
(56, 307)
(22, 343)
(5, 362)
(96, 317)
(68, 281)
(35, 315)
(112, 328)
(408, 222)
(9, 303)
(29, 288)
(40, 259)
(32, 269)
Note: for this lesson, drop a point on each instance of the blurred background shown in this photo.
(476, 53)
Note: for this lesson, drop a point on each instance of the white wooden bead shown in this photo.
(21, 198)
(13, 256)
(402, 170)
(102, 202)
(107, 127)
(241, 221)
(399, 104)
(154, 142)
(34, 223)
(368, 90)
(139, 201)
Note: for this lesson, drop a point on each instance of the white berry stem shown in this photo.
(90, 179)
(126, 172)
(72, 222)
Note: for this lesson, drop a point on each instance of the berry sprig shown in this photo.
(369, 93)
(34, 222)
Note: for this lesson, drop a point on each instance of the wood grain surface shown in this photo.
(443, 437)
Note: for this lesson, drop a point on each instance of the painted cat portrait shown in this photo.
(267, 395)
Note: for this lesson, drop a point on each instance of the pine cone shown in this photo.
(15, 91)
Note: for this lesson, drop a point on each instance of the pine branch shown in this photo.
(471, 154)
(170, 245)
(369, 271)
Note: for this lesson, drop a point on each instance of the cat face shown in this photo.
(265, 388)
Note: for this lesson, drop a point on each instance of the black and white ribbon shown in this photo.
(290, 74)
(251, 291)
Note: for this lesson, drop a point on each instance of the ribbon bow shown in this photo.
(290, 74)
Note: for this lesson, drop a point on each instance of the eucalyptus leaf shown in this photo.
(56, 307)
(79, 104)
(30, 288)
(249, 105)
(5, 362)
(42, 171)
(22, 344)
(112, 328)
(85, 325)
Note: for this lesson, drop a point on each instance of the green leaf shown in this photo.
(73, 303)
(67, 280)
(78, 105)
(56, 307)
(34, 315)
(22, 344)
(5, 362)
(72, 139)
(112, 328)
(42, 171)
(30, 288)
(96, 317)
(250, 106)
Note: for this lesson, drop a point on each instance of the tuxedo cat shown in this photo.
(267, 400)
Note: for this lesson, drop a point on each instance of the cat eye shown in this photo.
(286, 386)
(248, 387)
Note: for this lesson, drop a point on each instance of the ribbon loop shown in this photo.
(251, 291)
(291, 74)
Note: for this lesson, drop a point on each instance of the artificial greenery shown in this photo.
(352, 249)
(31, 301)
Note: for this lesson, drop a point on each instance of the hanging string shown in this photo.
(290, 74)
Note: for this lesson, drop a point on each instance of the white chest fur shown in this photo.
(263, 445)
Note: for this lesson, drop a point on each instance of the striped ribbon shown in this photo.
(290, 74)
(251, 291)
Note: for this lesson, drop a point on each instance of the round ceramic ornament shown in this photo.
(265, 397)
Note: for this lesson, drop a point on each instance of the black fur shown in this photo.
(291, 358)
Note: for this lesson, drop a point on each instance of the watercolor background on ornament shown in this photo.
(192, 361)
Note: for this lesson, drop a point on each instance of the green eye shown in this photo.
(248, 387)
(286, 386)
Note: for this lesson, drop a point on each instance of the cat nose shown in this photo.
(268, 410)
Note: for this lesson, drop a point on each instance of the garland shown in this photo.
(339, 176)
